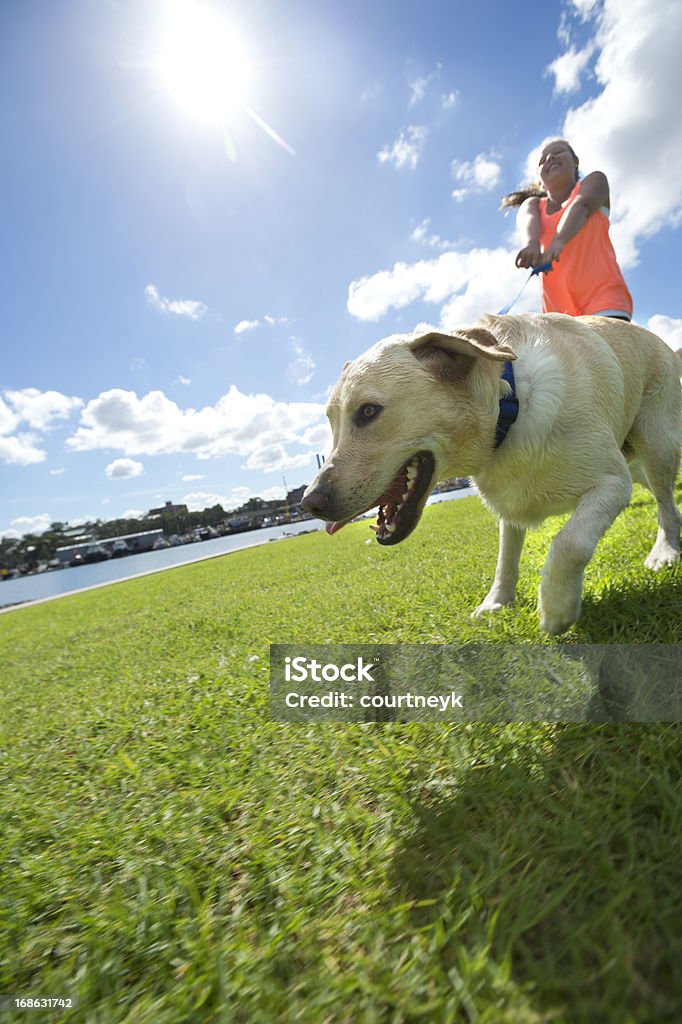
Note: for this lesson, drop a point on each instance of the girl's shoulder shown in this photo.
(532, 203)
(594, 188)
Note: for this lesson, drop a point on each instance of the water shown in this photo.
(66, 581)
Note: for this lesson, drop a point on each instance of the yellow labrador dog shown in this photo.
(547, 413)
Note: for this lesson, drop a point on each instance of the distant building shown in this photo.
(76, 535)
(134, 542)
(169, 509)
(294, 497)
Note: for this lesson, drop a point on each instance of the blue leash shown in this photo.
(509, 405)
(536, 270)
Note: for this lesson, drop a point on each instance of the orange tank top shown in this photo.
(587, 278)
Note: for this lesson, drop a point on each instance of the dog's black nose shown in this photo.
(316, 501)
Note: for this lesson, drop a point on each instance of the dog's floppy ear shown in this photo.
(452, 355)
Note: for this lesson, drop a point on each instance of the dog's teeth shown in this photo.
(406, 495)
(391, 527)
(411, 472)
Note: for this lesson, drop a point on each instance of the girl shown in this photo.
(566, 221)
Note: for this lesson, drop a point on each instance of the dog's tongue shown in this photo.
(333, 528)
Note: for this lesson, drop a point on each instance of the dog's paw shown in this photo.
(559, 611)
(488, 606)
(661, 555)
(555, 625)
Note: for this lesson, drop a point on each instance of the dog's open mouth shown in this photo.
(400, 506)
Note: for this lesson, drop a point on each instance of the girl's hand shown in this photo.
(553, 251)
(529, 256)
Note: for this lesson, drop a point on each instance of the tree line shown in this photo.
(34, 548)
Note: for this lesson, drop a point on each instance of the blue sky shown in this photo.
(180, 291)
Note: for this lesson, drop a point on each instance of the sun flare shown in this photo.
(202, 62)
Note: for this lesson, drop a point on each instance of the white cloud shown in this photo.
(240, 494)
(9, 419)
(464, 284)
(318, 437)
(421, 234)
(41, 409)
(186, 381)
(407, 148)
(57, 472)
(273, 494)
(489, 281)
(372, 296)
(584, 7)
(274, 458)
(133, 513)
(238, 424)
(668, 328)
(190, 477)
(38, 410)
(245, 325)
(630, 128)
(483, 173)
(268, 319)
(419, 85)
(21, 449)
(568, 68)
(124, 469)
(418, 90)
(29, 524)
(196, 501)
(301, 370)
(180, 307)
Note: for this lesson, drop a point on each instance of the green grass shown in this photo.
(171, 854)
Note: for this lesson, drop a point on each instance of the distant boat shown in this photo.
(95, 553)
(240, 525)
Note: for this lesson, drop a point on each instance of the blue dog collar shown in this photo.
(509, 406)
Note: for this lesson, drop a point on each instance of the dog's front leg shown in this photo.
(572, 548)
(507, 570)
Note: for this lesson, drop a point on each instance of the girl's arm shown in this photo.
(594, 193)
(528, 223)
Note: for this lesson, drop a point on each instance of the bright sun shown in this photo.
(202, 62)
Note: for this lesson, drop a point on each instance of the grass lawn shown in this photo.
(171, 854)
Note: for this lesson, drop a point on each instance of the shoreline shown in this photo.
(31, 603)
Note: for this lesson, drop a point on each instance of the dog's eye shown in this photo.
(366, 413)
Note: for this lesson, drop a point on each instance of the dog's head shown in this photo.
(407, 413)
